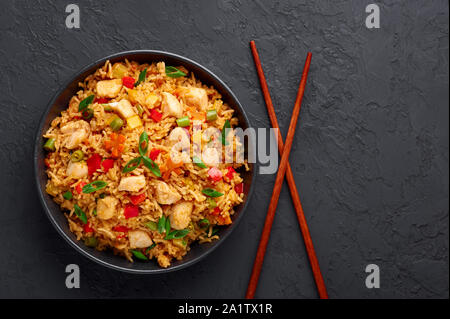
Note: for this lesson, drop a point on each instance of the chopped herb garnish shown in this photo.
(85, 103)
(79, 212)
(94, 186)
(139, 255)
(173, 72)
(211, 192)
(141, 78)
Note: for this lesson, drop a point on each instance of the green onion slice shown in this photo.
(212, 203)
(151, 225)
(197, 161)
(91, 241)
(139, 255)
(183, 121)
(143, 143)
(161, 224)
(173, 72)
(211, 115)
(139, 109)
(177, 234)
(215, 230)
(87, 113)
(85, 103)
(204, 223)
(94, 186)
(77, 156)
(150, 248)
(132, 165)
(141, 78)
(79, 212)
(68, 195)
(152, 166)
(167, 226)
(226, 126)
(211, 192)
(50, 145)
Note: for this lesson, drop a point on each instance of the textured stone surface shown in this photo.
(370, 156)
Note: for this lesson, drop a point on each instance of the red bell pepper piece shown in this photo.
(101, 100)
(94, 163)
(215, 174)
(137, 199)
(107, 164)
(154, 153)
(239, 188)
(121, 229)
(155, 115)
(216, 211)
(131, 211)
(88, 229)
(230, 173)
(128, 81)
(79, 187)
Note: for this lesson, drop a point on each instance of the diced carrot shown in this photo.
(221, 220)
(115, 144)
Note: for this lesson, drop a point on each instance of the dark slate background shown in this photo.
(370, 155)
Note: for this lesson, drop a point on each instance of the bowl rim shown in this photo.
(37, 149)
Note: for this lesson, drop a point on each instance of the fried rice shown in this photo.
(116, 168)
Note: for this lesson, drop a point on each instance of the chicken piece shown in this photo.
(197, 97)
(139, 239)
(106, 207)
(171, 106)
(123, 107)
(74, 133)
(211, 156)
(165, 194)
(180, 215)
(109, 88)
(77, 170)
(132, 183)
(138, 97)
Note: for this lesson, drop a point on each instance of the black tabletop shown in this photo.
(370, 156)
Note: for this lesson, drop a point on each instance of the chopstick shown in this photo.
(259, 259)
(290, 180)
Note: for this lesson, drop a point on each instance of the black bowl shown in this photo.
(60, 102)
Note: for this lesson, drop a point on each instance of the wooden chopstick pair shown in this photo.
(284, 168)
